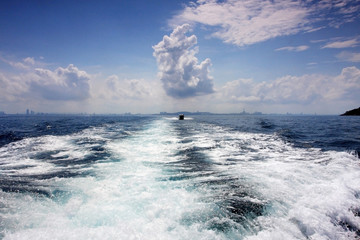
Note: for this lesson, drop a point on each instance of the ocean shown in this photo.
(155, 177)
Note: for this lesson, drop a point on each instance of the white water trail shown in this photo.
(125, 198)
(311, 194)
(306, 193)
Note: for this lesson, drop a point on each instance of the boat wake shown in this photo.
(168, 179)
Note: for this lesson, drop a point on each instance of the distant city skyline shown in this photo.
(211, 56)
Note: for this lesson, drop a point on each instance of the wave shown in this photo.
(165, 179)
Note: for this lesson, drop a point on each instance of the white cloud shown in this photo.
(349, 56)
(112, 94)
(179, 70)
(250, 21)
(342, 11)
(11, 87)
(346, 85)
(135, 89)
(25, 65)
(18, 65)
(300, 90)
(65, 84)
(69, 89)
(68, 83)
(29, 60)
(246, 22)
(343, 44)
(293, 49)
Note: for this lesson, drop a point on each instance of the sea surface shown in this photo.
(155, 177)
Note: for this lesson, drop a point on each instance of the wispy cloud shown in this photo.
(246, 22)
(293, 49)
(25, 64)
(179, 70)
(112, 93)
(349, 56)
(342, 11)
(12, 88)
(343, 44)
(250, 21)
(137, 89)
(29, 60)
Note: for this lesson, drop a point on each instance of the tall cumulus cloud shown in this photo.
(178, 67)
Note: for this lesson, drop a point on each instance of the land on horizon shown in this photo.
(354, 112)
(186, 113)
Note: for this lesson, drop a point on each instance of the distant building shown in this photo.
(27, 111)
(243, 112)
(2, 113)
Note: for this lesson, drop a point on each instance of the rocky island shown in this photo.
(354, 112)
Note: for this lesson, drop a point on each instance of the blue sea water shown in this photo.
(155, 177)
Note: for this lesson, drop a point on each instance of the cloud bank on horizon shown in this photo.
(305, 89)
(70, 89)
(68, 83)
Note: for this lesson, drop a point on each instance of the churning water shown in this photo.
(152, 177)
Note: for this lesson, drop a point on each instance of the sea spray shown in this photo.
(212, 177)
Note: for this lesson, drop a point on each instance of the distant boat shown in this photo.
(181, 117)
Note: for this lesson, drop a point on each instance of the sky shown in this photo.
(141, 56)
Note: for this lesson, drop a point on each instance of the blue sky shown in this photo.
(149, 56)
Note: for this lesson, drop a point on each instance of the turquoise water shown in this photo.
(154, 177)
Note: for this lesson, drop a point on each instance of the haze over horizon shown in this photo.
(155, 56)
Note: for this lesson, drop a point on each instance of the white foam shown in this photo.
(307, 192)
(310, 191)
(125, 200)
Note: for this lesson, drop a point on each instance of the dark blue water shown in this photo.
(17, 127)
(326, 132)
(155, 177)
